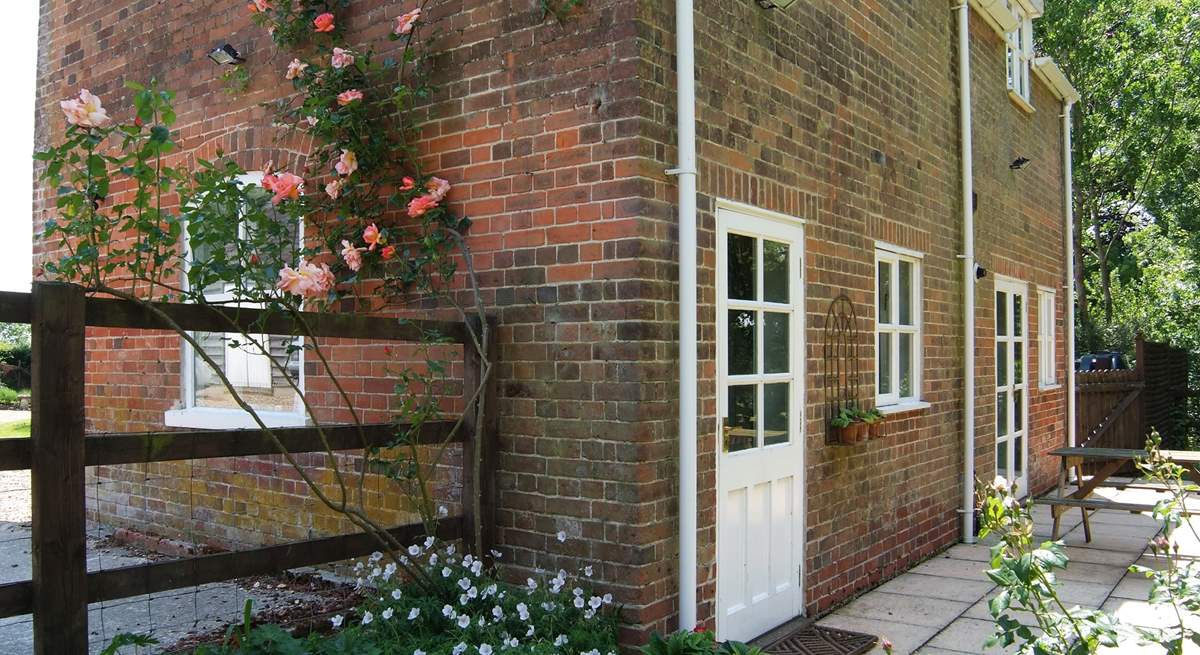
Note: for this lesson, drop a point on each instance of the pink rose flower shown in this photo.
(388, 252)
(285, 186)
(404, 24)
(347, 163)
(334, 188)
(324, 22)
(437, 188)
(372, 236)
(259, 5)
(409, 184)
(341, 58)
(346, 97)
(352, 255)
(295, 69)
(421, 204)
(307, 280)
(85, 110)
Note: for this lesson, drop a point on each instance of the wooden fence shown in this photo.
(1117, 408)
(58, 452)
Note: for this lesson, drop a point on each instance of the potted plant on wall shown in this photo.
(854, 424)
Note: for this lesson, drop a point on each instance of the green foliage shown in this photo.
(236, 79)
(124, 639)
(20, 358)
(1025, 576)
(464, 606)
(695, 642)
(1136, 138)
(16, 334)
(854, 414)
(8, 396)
(560, 9)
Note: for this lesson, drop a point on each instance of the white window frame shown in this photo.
(893, 255)
(217, 418)
(1047, 338)
(1018, 58)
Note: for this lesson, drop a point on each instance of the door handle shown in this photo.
(726, 435)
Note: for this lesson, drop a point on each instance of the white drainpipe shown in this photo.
(968, 261)
(686, 116)
(1069, 283)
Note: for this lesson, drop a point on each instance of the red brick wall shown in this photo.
(846, 115)
(556, 137)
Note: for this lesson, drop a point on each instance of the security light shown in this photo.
(980, 272)
(225, 54)
(1019, 163)
(775, 4)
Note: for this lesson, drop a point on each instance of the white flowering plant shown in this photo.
(460, 608)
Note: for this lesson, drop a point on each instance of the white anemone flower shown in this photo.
(386, 614)
(337, 621)
(464, 620)
(414, 613)
(367, 618)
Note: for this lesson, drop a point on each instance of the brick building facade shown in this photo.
(557, 137)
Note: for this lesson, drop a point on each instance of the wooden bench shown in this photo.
(1074, 457)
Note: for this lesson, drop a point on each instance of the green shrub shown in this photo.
(8, 396)
(696, 642)
(19, 356)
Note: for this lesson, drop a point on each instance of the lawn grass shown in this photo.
(14, 429)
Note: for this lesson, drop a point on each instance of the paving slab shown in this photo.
(934, 612)
(905, 637)
(949, 567)
(930, 586)
(967, 635)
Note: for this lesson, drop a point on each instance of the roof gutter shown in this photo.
(685, 81)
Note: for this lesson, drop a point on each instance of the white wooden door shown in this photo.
(1012, 387)
(245, 364)
(760, 476)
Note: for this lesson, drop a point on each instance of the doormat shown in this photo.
(819, 640)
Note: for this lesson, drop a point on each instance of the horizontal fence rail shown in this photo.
(58, 451)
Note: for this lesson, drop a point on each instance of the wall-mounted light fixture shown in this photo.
(1019, 163)
(775, 4)
(980, 272)
(225, 54)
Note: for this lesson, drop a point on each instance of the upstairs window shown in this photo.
(1020, 53)
(897, 327)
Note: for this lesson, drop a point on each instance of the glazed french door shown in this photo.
(1012, 443)
(760, 459)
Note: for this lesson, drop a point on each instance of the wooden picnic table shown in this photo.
(1117, 458)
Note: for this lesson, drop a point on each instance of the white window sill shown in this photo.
(216, 418)
(1020, 102)
(1049, 387)
(906, 406)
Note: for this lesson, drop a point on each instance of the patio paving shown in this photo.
(940, 606)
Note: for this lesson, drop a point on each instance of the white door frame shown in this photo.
(1014, 287)
(740, 218)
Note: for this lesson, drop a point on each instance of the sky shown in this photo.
(16, 147)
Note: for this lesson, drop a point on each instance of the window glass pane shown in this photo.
(775, 271)
(884, 357)
(885, 292)
(1001, 413)
(1017, 315)
(776, 358)
(775, 413)
(743, 267)
(740, 427)
(1002, 458)
(906, 293)
(1001, 314)
(1001, 364)
(743, 351)
(1018, 362)
(906, 362)
(257, 380)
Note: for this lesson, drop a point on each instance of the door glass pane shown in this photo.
(743, 354)
(775, 342)
(775, 271)
(884, 356)
(1001, 314)
(1018, 411)
(1002, 458)
(1001, 364)
(775, 413)
(1018, 362)
(740, 427)
(1002, 414)
(1018, 456)
(885, 292)
(742, 267)
(906, 293)
(906, 359)
(1017, 315)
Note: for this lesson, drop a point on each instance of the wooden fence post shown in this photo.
(479, 451)
(60, 612)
